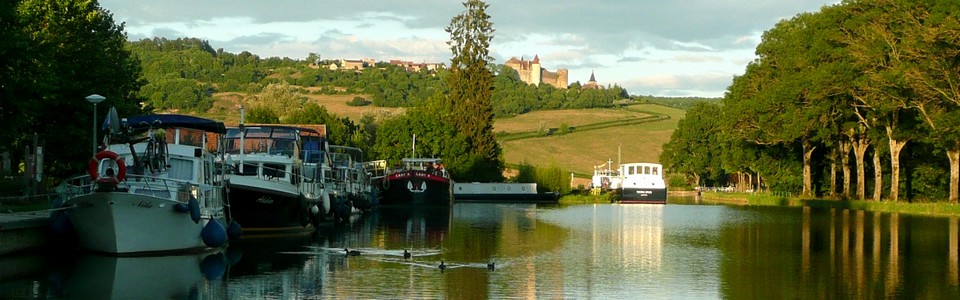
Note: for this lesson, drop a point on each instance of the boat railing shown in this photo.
(377, 168)
(309, 179)
(209, 196)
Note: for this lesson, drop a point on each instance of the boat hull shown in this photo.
(643, 195)
(126, 223)
(261, 210)
(416, 188)
(502, 197)
(501, 192)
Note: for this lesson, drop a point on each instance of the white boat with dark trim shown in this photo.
(642, 183)
(154, 188)
(277, 177)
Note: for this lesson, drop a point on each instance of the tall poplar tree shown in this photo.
(471, 88)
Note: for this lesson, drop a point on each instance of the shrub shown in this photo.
(358, 101)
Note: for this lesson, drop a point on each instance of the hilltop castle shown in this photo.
(532, 73)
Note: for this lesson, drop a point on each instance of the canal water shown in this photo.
(681, 250)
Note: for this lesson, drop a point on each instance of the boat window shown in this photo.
(273, 170)
(180, 169)
(249, 169)
(282, 147)
(646, 170)
(191, 137)
(656, 171)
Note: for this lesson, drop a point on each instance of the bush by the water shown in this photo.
(548, 179)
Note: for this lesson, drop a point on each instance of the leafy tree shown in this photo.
(471, 84)
(694, 148)
(262, 115)
(64, 51)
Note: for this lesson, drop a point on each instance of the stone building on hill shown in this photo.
(531, 72)
(592, 84)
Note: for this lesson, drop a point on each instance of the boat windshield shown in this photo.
(431, 165)
(272, 140)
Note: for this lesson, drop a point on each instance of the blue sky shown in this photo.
(649, 47)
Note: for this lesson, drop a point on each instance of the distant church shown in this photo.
(592, 84)
(532, 73)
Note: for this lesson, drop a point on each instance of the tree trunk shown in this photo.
(807, 174)
(845, 161)
(895, 147)
(859, 151)
(833, 177)
(759, 186)
(877, 175)
(954, 156)
(750, 181)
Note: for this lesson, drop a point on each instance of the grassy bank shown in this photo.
(584, 197)
(928, 209)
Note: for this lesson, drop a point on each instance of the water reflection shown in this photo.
(842, 254)
(157, 277)
(605, 251)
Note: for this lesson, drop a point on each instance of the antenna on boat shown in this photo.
(242, 144)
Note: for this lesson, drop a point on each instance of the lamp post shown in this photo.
(95, 99)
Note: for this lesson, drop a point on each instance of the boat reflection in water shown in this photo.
(281, 267)
(405, 227)
(640, 236)
(152, 277)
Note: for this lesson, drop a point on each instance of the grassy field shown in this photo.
(226, 107)
(534, 121)
(577, 151)
(580, 151)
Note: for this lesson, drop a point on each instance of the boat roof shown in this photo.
(174, 121)
(641, 164)
(413, 160)
(302, 131)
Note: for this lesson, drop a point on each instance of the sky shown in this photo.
(670, 48)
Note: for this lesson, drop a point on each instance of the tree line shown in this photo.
(860, 88)
(184, 73)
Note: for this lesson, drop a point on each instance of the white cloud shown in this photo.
(673, 47)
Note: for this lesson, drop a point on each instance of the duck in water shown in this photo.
(442, 267)
(351, 252)
(406, 255)
(491, 266)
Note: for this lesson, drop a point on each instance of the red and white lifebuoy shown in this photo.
(94, 166)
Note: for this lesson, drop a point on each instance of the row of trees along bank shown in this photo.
(830, 90)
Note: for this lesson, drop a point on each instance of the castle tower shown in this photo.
(562, 79)
(536, 76)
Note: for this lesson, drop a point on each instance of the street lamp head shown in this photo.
(95, 98)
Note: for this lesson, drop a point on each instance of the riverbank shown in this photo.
(755, 199)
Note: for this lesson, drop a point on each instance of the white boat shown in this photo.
(153, 188)
(642, 183)
(277, 177)
(605, 177)
(351, 181)
(502, 192)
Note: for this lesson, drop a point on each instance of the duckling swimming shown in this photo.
(406, 255)
(442, 267)
(491, 266)
(351, 252)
